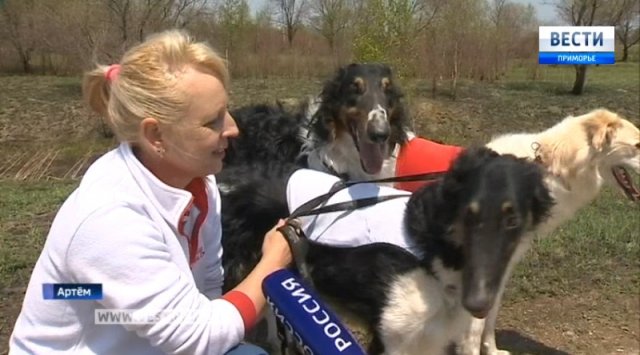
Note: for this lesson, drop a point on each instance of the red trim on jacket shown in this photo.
(198, 189)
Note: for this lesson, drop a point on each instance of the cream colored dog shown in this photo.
(581, 154)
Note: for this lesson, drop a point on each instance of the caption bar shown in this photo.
(72, 291)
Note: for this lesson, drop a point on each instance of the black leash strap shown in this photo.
(282, 335)
(297, 241)
(347, 205)
(306, 208)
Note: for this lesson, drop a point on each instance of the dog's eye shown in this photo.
(471, 216)
(385, 83)
(510, 217)
(356, 88)
(511, 221)
(357, 85)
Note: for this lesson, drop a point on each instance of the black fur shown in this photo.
(340, 94)
(440, 218)
(253, 200)
(270, 133)
(267, 133)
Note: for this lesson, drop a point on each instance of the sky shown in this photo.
(544, 8)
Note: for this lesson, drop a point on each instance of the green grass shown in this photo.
(25, 214)
(26, 210)
(598, 249)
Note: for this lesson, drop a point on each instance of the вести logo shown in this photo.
(576, 45)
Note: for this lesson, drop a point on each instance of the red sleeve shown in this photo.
(420, 156)
(245, 306)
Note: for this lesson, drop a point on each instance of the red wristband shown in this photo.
(245, 306)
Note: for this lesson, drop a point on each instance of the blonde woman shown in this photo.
(145, 219)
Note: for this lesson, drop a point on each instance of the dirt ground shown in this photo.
(576, 324)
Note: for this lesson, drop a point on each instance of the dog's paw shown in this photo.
(493, 351)
(490, 348)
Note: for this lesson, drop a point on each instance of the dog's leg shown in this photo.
(413, 320)
(488, 344)
(472, 337)
(376, 347)
(272, 330)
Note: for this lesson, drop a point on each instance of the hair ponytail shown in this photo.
(96, 90)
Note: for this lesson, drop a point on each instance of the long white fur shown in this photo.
(578, 153)
(421, 317)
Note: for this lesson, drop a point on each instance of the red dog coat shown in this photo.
(420, 156)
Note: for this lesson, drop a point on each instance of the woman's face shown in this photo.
(196, 144)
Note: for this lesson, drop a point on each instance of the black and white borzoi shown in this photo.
(580, 155)
(352, 130)
(466, 226)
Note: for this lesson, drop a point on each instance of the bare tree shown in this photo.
(291, 15)
(462, 31)
(386, 28)
(496, 11)
(579, 13)
(511, 23)
(625, 15)
(136, 18)
(19, 22)
(233, 20)
(120, 10)
(179, 13)
(330, 18)
(496, 16)
(628, 30)
(599, 12)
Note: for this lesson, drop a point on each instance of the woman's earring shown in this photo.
(160, 151)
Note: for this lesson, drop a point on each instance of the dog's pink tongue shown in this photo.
(626, 183)
(372, 156)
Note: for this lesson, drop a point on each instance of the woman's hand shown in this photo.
(275, 249)
(276, 255)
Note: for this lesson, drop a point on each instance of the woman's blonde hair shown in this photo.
(145, 84)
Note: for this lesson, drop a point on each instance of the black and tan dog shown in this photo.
(351, 130)
(466, 226)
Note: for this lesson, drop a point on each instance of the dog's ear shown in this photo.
(465, 167)
(601, 137)
(386, 69)
(601, 128)
(558, 160)
(542, 201)
(471, 159)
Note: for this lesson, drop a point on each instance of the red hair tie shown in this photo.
(112, 72)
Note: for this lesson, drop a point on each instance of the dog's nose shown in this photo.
(378, 129)
(478, 305)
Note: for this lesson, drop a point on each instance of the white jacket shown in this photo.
(119, 228)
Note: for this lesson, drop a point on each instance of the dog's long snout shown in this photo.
(480, 284)
(378, 128)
